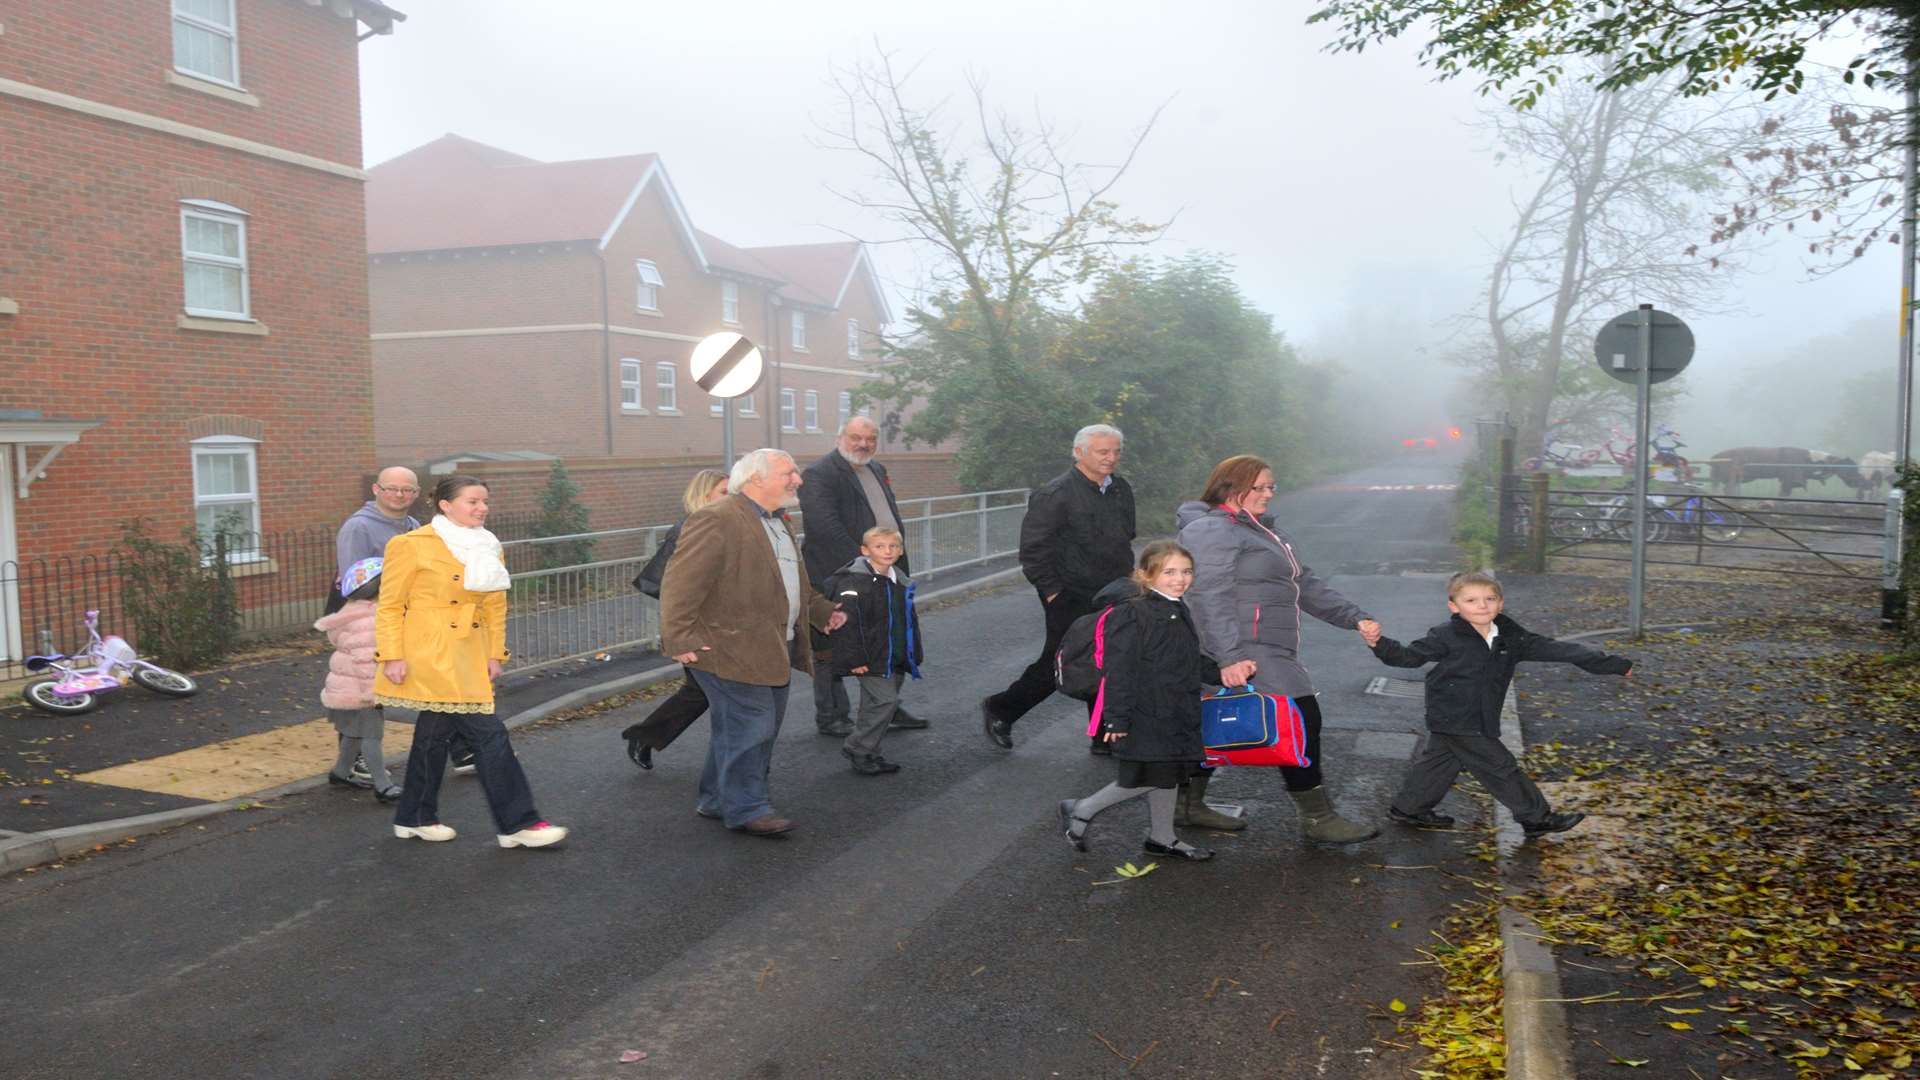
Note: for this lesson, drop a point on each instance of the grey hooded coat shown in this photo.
(1248, 591)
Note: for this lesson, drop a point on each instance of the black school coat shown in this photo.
(1154, 671)
(1469, 680)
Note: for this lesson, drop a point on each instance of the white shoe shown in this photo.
(539, 834)
(424, 832)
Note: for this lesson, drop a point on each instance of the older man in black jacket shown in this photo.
(1076, 539)
(845, 493)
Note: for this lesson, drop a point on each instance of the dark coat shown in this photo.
(650, 575)
(1469, 680)
(834, 513)
(721, 592)
(1075, 538)
(1154, 671)
(867, 638)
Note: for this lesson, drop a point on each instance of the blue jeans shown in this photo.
(501, 777)
(746, 720)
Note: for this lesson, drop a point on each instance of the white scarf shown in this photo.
(476, 549)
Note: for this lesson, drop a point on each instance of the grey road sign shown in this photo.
(1617, 347)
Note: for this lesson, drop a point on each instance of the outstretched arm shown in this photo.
(1418, 654)
(1585, 657)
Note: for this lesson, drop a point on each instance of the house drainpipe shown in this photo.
(606, 353)
(773, 355)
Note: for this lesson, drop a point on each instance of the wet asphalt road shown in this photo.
(927, 924)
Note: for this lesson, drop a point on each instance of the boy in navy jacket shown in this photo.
(1474, 655)
(880, 645)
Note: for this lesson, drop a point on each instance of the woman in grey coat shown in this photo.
(1249, 588)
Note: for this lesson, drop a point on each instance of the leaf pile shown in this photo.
(1462, 1028)
(1755, 845)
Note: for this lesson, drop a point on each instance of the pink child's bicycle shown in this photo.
(107, 665)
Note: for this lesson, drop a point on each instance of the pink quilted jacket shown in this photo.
(350, 670)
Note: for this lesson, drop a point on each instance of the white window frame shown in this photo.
(846, 407)
(646, 293)
(813, 410)
(224, 446)
(730, 303)
(799, 331)
(231, 32)
(866, 411)
(788, 405)
(666, 386)
(717, 407)
(853, 339)
(632, 374)
(745, 405)
(223, 214)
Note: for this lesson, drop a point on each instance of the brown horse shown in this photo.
(1793, 467)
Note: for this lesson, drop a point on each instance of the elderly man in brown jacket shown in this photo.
(734, 606)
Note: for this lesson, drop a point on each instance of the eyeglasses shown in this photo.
(398, 490)
(1268, 488)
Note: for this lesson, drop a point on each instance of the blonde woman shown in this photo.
(440, 636)
(686, 704)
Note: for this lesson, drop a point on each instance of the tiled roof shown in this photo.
(814, 272)
(457, 193)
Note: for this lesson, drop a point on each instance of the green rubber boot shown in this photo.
(1192, 808)
(1320, 823)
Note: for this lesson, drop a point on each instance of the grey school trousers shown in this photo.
(879, 700)
(1485, 759)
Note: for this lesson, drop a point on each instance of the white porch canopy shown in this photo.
(29, 442)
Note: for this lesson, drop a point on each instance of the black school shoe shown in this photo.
(905, 721)
(1425, 819)
(870, 764)
(1178, 850)
(999, 732)
(1553, 823)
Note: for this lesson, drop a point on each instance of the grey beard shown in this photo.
(857, 459)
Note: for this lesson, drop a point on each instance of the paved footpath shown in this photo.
(928, 924)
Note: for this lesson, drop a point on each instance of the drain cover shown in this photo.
(1400, 688)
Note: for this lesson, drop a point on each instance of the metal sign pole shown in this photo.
(1642, 422)
(726, 433)
(1892, 596)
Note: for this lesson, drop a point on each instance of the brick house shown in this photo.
(183, 293)
(526, 308)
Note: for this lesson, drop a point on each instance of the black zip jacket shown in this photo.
(874, 604)
(1154, 671)
(1075, 538)
(1469, 680)
(835, 514)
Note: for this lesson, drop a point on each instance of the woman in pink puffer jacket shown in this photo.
(348, 692)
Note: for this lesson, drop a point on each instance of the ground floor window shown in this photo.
(226, 494)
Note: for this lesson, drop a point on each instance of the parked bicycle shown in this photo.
(1669, 517)
(107, 664)
(1665, 443)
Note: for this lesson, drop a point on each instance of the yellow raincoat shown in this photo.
(444, 633)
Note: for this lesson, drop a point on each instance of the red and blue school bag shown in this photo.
(1247, 727)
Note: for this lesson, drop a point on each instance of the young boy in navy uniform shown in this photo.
(1474, 655)
(879, 646)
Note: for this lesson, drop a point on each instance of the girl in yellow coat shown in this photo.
(440, 636)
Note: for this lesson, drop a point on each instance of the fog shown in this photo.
(1356, 201)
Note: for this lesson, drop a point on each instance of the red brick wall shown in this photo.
(301, 62)
(90, 248)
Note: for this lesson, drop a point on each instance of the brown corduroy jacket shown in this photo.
(722, 592)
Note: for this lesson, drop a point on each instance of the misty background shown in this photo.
(1356, 199)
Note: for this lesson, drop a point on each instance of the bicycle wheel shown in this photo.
(1720, 528)
(161, 681)
(40, 695)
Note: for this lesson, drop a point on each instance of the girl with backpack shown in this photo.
(1149, 707)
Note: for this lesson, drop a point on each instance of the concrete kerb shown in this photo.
(1538, 1047)
(33, 849)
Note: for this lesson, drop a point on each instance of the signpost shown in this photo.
(726, 365)
(1642, 347)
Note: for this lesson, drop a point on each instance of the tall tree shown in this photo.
(1014, 229)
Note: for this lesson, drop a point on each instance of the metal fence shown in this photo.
(568, 612)
(1692, 527)
(572, 596)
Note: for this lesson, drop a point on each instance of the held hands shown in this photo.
(395, 671)
(1236, 675)
(835, 621)
(1369, 632)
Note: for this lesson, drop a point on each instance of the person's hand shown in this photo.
(1236, 675)
(861, 670)
(837, 620)
(1114, 736)
(1369, 632)
(396, 671)
(1627, 674)
(494, 668)
(691, 657)
(1051, 598)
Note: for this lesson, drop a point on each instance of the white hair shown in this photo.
(1087, 434)
(856, 418)
(754, 463)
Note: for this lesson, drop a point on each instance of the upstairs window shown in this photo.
(647, 294)
(666, 387)
(799, 331)
(630, 385)
(730, 303)
(213, 249)
(853, 339)
(203, 40)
